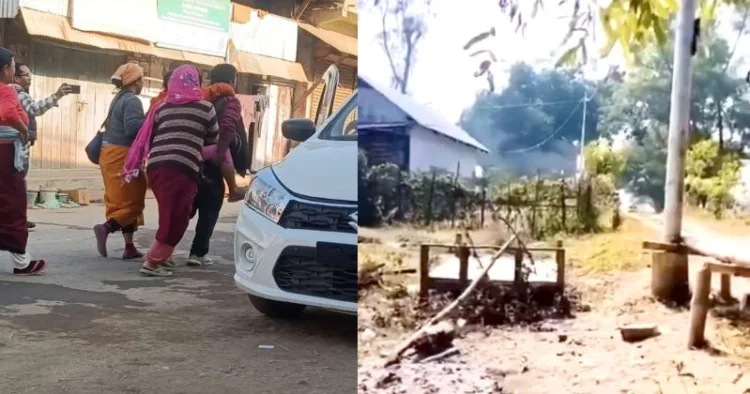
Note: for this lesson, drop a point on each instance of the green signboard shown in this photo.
(205, 14)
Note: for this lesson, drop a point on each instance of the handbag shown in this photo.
(94, 147)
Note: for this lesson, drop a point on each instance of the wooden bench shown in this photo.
(463, 252)
(726, 266)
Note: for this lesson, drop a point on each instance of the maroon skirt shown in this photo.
(14, 231)
(174, 192)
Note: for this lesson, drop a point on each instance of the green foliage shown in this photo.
(601, 160)
(638, 107)
(641, 100)
(536, 205)
(710, 176)
(388, 194)
(631, 25)
(645, 170)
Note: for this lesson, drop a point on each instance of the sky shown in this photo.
(442, 77)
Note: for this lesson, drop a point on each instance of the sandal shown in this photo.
(159, 272)
(169, 263)
(195, 261)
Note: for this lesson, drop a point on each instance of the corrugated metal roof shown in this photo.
(264, 65)
(42, 24)
(341, 42)
(424, 116)
(9, 8)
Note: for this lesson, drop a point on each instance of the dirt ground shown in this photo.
(582, 354)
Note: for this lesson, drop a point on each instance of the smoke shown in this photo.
(558, 157)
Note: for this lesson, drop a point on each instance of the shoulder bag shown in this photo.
(94, 147)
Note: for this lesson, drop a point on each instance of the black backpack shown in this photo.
(239, 146)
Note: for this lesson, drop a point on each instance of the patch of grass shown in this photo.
(730, 225)
(373, 255)
(610, 251)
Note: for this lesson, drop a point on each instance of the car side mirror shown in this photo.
(298, 129)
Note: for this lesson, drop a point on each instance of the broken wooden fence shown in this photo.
(464, 253)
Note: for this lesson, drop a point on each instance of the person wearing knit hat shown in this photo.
(124, 201)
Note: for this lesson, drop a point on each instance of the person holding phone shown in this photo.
(22, 83)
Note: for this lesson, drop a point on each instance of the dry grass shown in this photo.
(612, 251)
(397, 247)
(729, 225)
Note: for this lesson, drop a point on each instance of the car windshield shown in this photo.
(343, 124)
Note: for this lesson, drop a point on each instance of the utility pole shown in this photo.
(581, 162)
(670, 270)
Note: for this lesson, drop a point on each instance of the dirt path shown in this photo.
(581, 355)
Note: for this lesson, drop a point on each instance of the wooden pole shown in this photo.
(424, 272)
(562, 205)
(484, 203)
(675, 280)
(507, 200)
(699, 308)
(428, 215)
(454, 197)
(518, 279)
(560, 259)
(725, 290)
(463, 267)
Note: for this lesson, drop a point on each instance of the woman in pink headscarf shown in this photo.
(172, 138)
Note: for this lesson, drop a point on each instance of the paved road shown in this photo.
(93, 325)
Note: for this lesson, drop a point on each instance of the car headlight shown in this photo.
(266, 195)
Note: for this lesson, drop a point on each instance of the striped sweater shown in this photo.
(180, 132)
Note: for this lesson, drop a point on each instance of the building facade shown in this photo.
(80, 42)
(393, 128)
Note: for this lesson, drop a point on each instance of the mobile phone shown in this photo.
(75, 89)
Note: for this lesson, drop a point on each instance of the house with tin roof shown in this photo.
(394, 128)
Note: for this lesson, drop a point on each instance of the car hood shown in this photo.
(321, 169)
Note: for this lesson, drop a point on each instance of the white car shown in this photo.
(295, 244)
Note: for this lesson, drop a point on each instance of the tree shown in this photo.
(633, 25)
(718, 103)
(535, 122)
(710, 176)
(601, 159)
(644, 173)
(401, 36)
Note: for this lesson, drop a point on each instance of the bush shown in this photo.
(533, 207)
(388, 194)
(710, 176)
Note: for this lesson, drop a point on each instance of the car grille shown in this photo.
(298, 271)
(306, 216)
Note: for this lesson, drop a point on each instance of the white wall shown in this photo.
(375, 108)
(428, 149)
(270, 36)
(57, 7)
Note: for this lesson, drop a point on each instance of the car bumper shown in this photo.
(268, 242)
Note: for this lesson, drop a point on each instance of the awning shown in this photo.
(270, 66)
(342, 42)
(55, 27)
